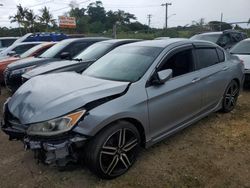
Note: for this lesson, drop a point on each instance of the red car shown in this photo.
(35, 51)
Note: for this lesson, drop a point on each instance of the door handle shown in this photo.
(225, 68)
(195, 80)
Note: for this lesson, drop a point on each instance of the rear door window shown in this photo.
(206, 57)
(180, 63)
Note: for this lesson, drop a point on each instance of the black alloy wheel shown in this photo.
(230, 96)
(114, 150)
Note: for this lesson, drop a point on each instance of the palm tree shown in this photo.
(19, 17)
(16, 18)
(30, 19)
(46, 17)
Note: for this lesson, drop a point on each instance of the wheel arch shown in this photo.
(134, 122)
(237, 80)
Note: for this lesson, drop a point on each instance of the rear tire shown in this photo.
(114, 150)
(230, 97)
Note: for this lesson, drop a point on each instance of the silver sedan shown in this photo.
(135, 96)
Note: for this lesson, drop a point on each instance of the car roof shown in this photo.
(172, 41)
(23, 43)
(159, 43)
(212, 33)
(120, 41)
(85, 39)
(248, 39)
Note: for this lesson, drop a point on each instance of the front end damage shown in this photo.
(59, 150)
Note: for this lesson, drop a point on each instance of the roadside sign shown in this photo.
(67, 22)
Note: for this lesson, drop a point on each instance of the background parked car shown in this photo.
(46, 37)
(81, 61)
(35, 51)
(225, 39)
(17, 49)
(242, 50)
(136, 95)
(5, 42)
(65, 49)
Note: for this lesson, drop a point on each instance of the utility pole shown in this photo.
(149, 21)
(166, 5)
(221, 20)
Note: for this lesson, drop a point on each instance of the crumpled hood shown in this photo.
(246, 60)
(49, 96)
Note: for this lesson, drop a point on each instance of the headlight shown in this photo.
(55, 126)
(23, 70)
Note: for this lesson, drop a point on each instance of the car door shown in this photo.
(177, 101)
(213, 69)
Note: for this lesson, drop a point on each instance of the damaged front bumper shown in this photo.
(59, 150)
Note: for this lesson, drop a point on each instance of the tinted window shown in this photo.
(124, 64)
(206, 57)
(180, 63)
(6, 42)
(55, 50)
(221, 55)
(23, 48)
(242, 47)
(76, 48)
(94, 51)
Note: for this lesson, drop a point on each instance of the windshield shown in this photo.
(211, 37)
(242, 47)
(54, 50)
(124, 63)
(31, 51)
(95, 51)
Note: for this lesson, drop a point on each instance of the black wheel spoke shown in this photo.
(125, 160)
(236, 91)
(112, 165)
(108, 150)
(122, 138)
(130, 145)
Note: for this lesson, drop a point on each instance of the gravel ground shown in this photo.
(211, 153)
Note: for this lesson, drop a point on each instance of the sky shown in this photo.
(181, 12)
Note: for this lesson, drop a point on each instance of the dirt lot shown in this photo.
(214, 152)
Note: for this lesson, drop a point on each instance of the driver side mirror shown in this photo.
(11, 53)
(162, 76)
(65, 55)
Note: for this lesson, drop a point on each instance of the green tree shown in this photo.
(46, 18)
(30, 19)
(82, 19)
(19, 17)
(96, 12)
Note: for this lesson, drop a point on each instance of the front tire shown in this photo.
(230, 96)
(114, 150)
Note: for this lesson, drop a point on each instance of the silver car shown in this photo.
(134, 96)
